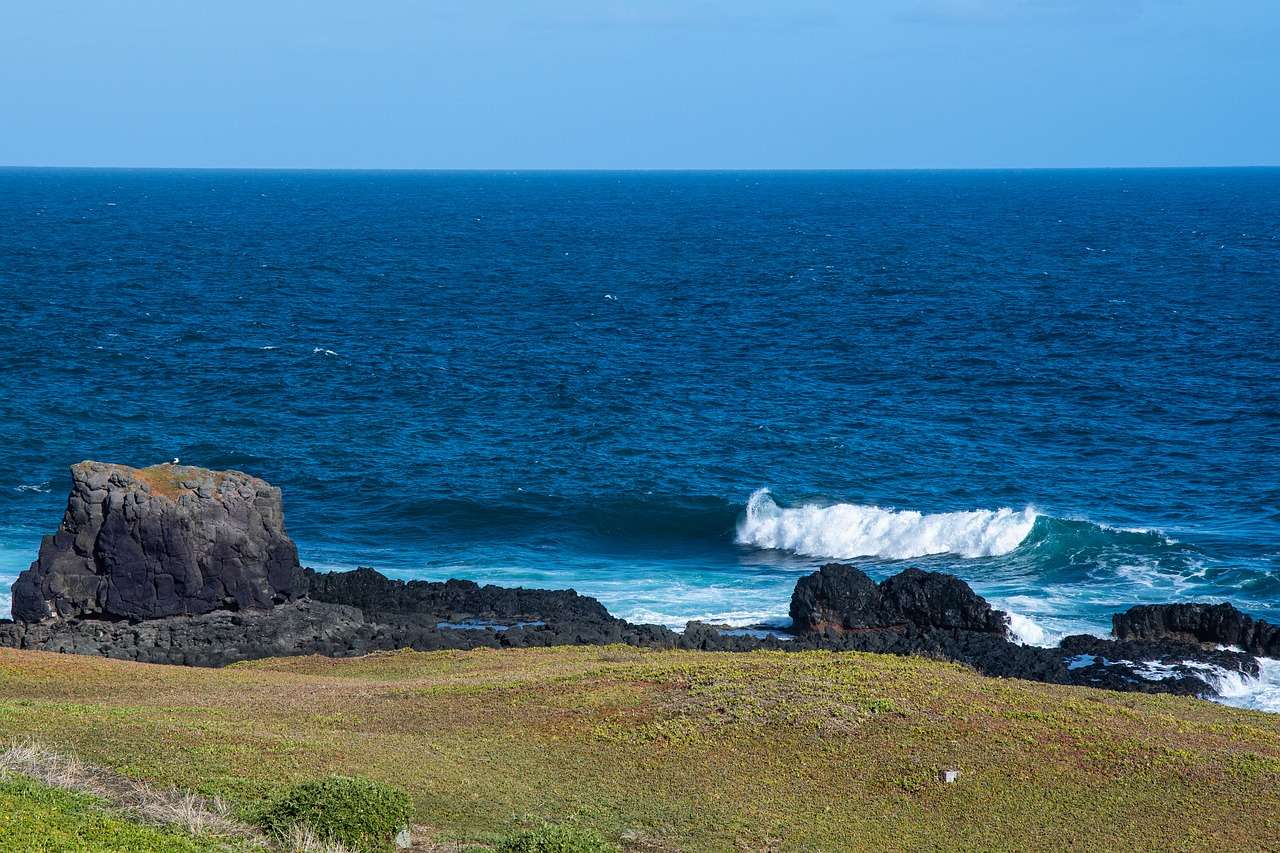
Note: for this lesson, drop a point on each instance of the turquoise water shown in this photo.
(1061, 386)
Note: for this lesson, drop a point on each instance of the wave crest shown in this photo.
(844, 531)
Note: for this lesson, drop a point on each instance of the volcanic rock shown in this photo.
(938, 600)
(1198, 623)
(211, 639)
(839, 598)
(374, 593)
(161, 541)
(182, 565)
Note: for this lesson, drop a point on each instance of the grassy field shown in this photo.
(683, 750)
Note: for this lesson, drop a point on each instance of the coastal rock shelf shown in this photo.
(174, 564)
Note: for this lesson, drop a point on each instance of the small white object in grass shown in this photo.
(404, 839)
(948, 776)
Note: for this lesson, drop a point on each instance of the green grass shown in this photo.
(34, 817)
(683, 750)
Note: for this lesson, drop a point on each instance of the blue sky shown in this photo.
(621, 84)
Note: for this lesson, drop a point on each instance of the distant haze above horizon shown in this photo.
(586, 84)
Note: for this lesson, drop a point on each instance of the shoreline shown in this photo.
(351, 614)
(175, 564)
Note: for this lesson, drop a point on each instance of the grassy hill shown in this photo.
(682, 750)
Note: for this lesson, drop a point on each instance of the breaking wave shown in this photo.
(844, 531)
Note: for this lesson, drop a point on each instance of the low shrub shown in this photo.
(556, 838)
(358, 813)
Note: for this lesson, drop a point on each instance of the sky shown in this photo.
(624, 84)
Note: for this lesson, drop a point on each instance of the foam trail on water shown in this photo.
(843, 531)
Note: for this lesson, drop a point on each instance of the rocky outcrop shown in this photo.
(921, 613)
(1217, 624)
(839, 598)
(211, 639)
(182, 565)
(373, 592)
(161, 541)
(938, 615)
(306, 627)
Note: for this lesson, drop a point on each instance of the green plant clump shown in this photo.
(357, 812)
(556, 838)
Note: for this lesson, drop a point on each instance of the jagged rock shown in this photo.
(1198, 623)
(1157, 666)
(211, 639)
(375, 593)
(836, 596)
(939, 601)
(161, 541)
(839, 598)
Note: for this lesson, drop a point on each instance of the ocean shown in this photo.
(677, 392)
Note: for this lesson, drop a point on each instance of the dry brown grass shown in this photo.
(167, 480)
(192, 813)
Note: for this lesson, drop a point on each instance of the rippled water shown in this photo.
(1067, 382)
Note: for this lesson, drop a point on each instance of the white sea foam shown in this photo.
(17, 548)
(43, 488)
(1230, 687)
(1026, 630)
(1260, 694)
(843, 531)
(677, 621)
(322, 351)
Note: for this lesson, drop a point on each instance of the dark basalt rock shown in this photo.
(939, 601)
(838, 597)
(921, 615)
(211, 639)
(373, 592)
(937, 615)
(1198, 623)
(1169, 666)
(162, 541)
(303, 627)
(841, 598)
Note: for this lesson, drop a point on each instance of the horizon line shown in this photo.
(627, 170)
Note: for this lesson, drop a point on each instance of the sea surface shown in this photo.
(675, 392)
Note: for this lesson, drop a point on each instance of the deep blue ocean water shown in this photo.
(1062, 386)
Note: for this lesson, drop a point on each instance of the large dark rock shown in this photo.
(937, 600)
(374, 593)
(1198, 623)
(839, 598)
(162, 541)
